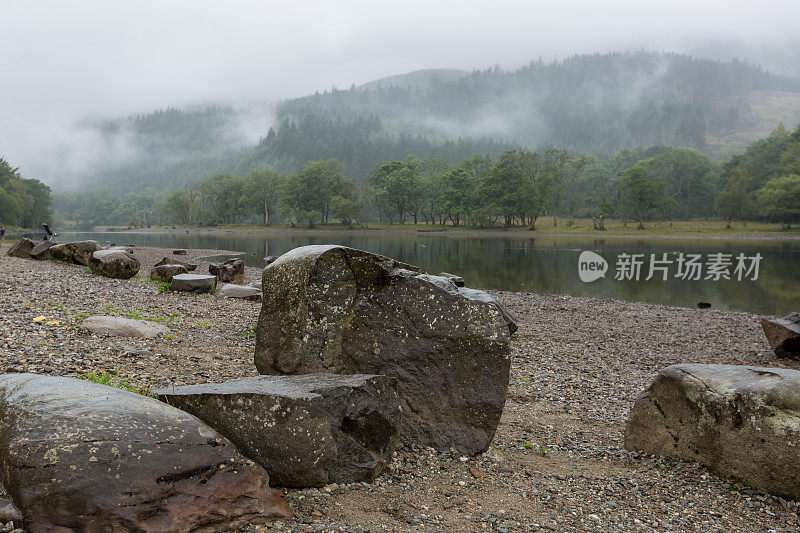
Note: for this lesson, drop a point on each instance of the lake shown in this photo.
(550, 264)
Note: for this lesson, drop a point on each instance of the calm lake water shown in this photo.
(544, 264)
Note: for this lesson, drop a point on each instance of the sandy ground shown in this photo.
(557, 461)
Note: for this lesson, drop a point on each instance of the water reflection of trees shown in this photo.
(540, 263)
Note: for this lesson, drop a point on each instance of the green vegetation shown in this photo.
(516, 189)
(112, 380)
(23, 202)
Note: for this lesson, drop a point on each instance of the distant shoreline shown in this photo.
(494, 233)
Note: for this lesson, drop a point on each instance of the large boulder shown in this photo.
(742, 422)
(172, 261)
(78, 456)
(41, 251)
(230, 271)
(22, 248)
(116, 263)
(123, 327)
(165, 273)
(244, 292)
(306, 431)
(193, 283)
(783, 335)
(79, 252)
(340, 310)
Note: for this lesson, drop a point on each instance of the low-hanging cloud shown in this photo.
(67, 64)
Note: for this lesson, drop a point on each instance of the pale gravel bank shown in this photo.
(557, 461)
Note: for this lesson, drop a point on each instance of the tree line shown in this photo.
(23, 202)
(516, 188)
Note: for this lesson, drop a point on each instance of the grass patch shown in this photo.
(111, 380)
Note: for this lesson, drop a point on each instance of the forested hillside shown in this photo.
(592, 104)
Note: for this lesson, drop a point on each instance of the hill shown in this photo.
(594, 104)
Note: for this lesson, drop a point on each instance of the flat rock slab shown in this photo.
(783, 335)
(244, 292)
(193, 283)
(743, 422)
(79, 456)
(306, 431)
(124, 327)
(333, 309)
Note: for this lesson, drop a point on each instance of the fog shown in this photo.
(66, 66)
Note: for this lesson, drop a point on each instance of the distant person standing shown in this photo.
(3, 233)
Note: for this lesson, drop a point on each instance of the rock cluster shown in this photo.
(306, 431)
(79, 252)
(346, 311)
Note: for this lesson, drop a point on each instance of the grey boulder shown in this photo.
(244, 292)
(123, 327)
(22, 248)
(79, 456)
(306, 431)
(165, 273)
(118, 263)
(345, 311)
(79, 252)
(256, 283)
(742, 422)
(193, 283)
(783, 335)
(230, 271)
(172, 261)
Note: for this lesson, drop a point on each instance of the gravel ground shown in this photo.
(557, 462)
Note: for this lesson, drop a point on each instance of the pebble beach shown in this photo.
(557, 462)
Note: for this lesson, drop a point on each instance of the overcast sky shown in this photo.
(61, 62)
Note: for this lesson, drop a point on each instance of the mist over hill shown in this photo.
(594, 104)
